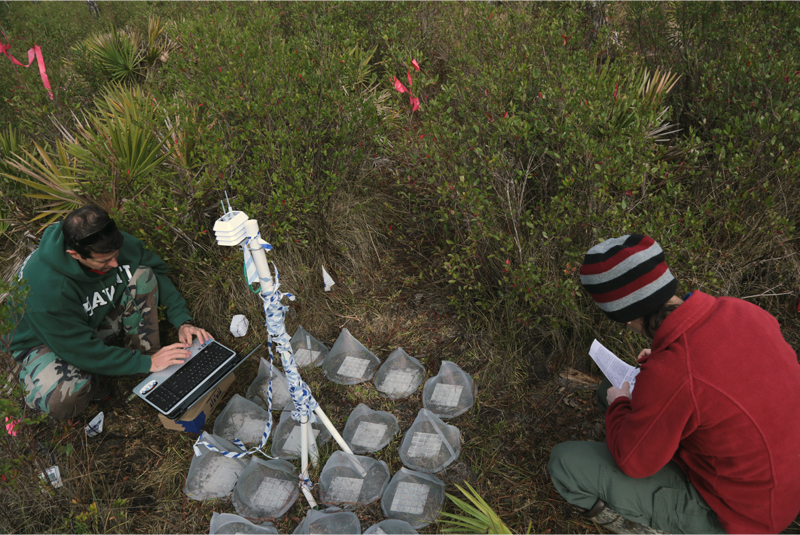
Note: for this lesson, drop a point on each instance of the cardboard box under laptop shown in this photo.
(195, 418)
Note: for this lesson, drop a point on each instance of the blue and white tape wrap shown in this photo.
(238, 443)
(275, 314)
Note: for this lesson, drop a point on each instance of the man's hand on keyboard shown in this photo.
(186, 331)
(167, 356)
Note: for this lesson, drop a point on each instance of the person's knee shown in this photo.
(575, 470)
(63, 403)
(561, 459)
(144, 280)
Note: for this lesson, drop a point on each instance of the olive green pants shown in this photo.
(582, 472)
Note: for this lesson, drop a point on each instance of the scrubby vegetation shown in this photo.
(454, 230)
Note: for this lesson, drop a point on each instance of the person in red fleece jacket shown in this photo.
(709, 442)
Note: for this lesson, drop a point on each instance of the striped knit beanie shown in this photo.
(627, 277)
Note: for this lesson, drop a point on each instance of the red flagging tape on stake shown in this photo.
(35, 52)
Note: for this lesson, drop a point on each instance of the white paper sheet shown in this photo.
(612, 366)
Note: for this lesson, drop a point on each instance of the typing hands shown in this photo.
(178, 353)
(167, 356)
(186, 331)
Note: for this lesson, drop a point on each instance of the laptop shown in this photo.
(174, 390)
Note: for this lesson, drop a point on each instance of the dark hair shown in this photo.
(652, 321)
(89, 230)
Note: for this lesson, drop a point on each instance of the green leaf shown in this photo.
(481, 519)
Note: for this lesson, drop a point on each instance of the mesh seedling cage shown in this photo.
(368, 431)
(451, 393)
(211, 474)
(415, 497)
(266, 489)
(227, 523)
(349, 480)
(349, 362)
(286, 437)
(258, 392)
(319, 522)
(242, 419)
(307, 349)
(430, 445)
(400, 376)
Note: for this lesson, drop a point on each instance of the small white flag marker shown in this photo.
(327, 280)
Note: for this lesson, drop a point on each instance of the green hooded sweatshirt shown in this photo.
(66, 304)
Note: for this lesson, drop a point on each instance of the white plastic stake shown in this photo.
(308, 454)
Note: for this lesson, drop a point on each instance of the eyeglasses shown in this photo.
(94, 237)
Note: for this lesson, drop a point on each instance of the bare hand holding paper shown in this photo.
(612, 367)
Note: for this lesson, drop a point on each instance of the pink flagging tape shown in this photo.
(10, 424)
(35, 52)
(398, 85)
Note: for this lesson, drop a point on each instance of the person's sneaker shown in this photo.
(101, 390)
(610, 520)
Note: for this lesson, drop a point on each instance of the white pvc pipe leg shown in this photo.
(330, 427)
(308, 445)
(304, 428)
(304, 443)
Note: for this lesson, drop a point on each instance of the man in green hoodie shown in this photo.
(87, 280)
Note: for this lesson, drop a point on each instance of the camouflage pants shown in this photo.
(58, 388)
(137, 314)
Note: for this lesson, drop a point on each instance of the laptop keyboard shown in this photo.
(191, 374)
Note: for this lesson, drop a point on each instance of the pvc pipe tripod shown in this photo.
(234, 229)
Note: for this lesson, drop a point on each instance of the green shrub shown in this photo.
(15, 455)
(288, 120)
(112, 152)
(9, 144)
(56, 27)
(539, 143)
(543, 129)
